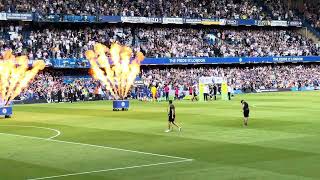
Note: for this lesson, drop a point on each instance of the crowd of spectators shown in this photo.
(68, 43)
(227, 9)
(240, 78)
(55, 87)
(312, 13)
(231, 9)
(59, 43)
(253, 43)
(280, 10)
(55, 43)
(166, 42)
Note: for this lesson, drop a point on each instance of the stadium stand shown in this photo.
(203, 9)
(280, 10)
(312, 13)
(48, 85)
(50, 41)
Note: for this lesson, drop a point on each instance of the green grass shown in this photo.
(282, 140)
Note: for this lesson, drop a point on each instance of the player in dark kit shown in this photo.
(245, 107)
(172, 117)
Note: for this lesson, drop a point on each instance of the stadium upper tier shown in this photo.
(49, 10)
(57, 43)
(312, 13)
(229, 9)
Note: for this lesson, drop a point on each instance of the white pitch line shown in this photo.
(113, 169)
(37, 127)
(98, 146)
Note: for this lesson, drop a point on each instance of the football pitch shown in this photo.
(87, 140)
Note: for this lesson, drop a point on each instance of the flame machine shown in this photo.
(116, 69)
(6, 111)
(15, 76)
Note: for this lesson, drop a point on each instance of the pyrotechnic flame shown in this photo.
(15, 75)
(119, 71)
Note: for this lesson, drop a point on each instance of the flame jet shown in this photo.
(118, 71)
(15, 75)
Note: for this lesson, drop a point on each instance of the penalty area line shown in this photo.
(112, 169)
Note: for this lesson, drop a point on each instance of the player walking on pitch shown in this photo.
(245, 107)
(172, 117)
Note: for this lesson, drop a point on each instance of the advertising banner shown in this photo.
(192, 21)
(3, 16)
(211, 22)
(146, 20)
(83, 63)
(279, 23)
(295, 23)
(232, 22)
(172, 21)
(263, 23)
(110, 19)
(72, 18)
(247, 22)
(229, 60)
(19, 16)
(70, 63)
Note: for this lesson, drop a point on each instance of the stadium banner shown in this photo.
(295, 23)
(279, 23)
(83, 63)
(172, 20)
(19, 16)
(211, 22)
(192, 21)
(228, 60)
(275, 90)
(3, 16)
(146, 20)
(48, 62)
(73, 18)
(110, 19)
(47, 18)
(309, 88)
(231, 22)
(30, 101)
(263, 23)
(247, 22)
(223, 22)
(70, 63)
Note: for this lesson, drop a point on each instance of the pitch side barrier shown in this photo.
(184, 95)
(83, 63)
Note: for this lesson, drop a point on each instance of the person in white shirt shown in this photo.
(206, 92)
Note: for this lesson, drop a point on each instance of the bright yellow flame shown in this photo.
(118, 72)
(15, 75)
